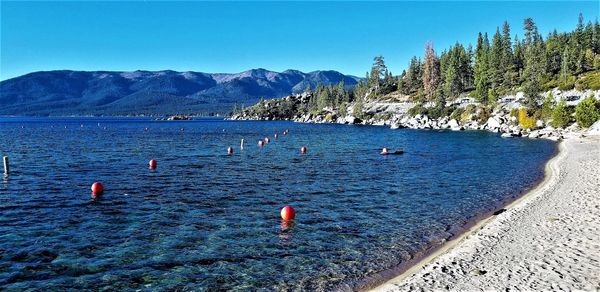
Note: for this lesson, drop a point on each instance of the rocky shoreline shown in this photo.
(396, 115)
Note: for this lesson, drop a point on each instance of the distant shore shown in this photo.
(544, 240)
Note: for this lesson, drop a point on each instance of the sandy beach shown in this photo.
(549, 239)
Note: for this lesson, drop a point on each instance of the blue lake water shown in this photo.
(204, 220)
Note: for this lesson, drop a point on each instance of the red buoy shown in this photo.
(97, 189)
(260, 143)
(230, 150)
(303, 149)
(267, 140)
(288, 213)
(275, 136)
(384, 151)
(152, 164)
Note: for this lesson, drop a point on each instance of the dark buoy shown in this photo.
(384, 151)
(267, 140)
(229, 150)
(152, 164)
(303, 149)
(275, 136)
(97, 189)
(288, 213)
(261, 143)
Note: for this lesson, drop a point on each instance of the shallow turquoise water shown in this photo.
(207, 221)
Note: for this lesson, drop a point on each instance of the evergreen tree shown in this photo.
(496, 71)
(518, 56)
(456, 70)
(378, 71)
(530, 31)
(564, 66)
(534, 64)
(554, 54)
(507, 53)
(402, 83)
(579, 46)
(481, 68)
(469, 78)
(560, 115)
(414, 77)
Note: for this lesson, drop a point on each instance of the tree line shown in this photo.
(493, 68)
(504, 64)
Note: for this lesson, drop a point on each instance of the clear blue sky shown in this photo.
(236, 36)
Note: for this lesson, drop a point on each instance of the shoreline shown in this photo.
(380, 280)
(419, 272)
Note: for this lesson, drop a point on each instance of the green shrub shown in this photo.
(357, 109)
(514, 113)
(561, 115)
(439, 110)
(568, 83)
(553, 83)
(384, 116)
(468, 112)
(547, 107)
(526, 119)
(343, 109)
(418, 109)
(457, 113)
(589, 81)
(587, 112)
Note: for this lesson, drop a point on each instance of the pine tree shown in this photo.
(507, 63)
(414, 77)
(496, 71)
(564, 65)
(402, 83)
(431, 72)
(507, 53)
(469, 78)
(578, 44)
(530, 30)
(518, 56)
(481, 68)
(534, 64)
(456, 70)
(378, 71)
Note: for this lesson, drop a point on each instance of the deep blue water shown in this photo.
(204, 220)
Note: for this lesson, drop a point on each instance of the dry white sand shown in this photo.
(547, 240)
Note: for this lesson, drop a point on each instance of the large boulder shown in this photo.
(539, 124)
(534, 134)
(352, 120)
(453, 123)
(594, 129)
(493, 123)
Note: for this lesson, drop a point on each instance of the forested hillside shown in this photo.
(495, 66)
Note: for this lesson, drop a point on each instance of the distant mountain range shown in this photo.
(155, 93)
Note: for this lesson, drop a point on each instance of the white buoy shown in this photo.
(242, 145)
(5, 159)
